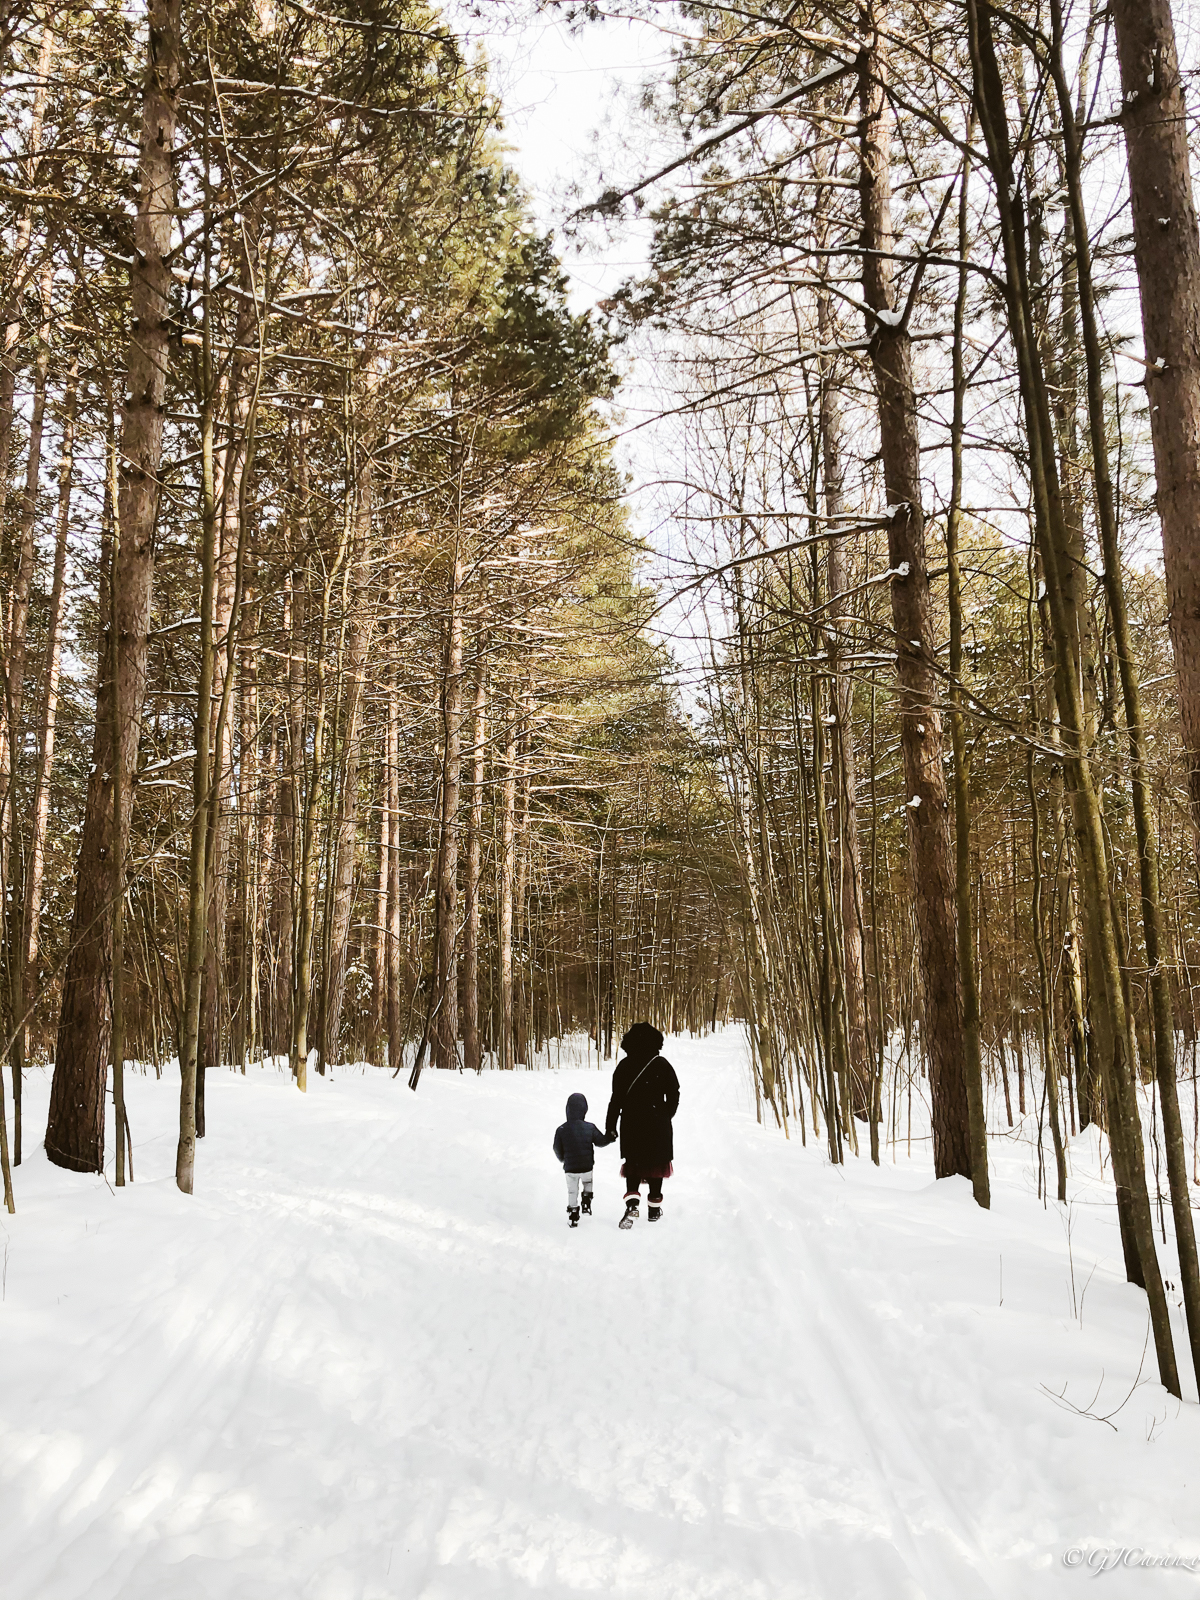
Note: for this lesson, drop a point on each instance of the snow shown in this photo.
(369, 1359)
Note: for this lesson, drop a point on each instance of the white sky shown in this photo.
(569, 108)
(572, 120)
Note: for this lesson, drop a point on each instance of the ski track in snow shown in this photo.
(368, 1359)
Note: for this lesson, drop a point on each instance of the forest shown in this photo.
(320, 598)
(356, 710)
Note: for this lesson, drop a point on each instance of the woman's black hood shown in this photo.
(642, 1042)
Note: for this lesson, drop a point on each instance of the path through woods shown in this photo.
(369, 1359)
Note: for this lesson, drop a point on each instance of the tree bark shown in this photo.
(1166, 250)
(1144, 824)
(849, 861)
(972, 1058)
(191, 1076)
(283, 909)
(234, 465)
(930, 855)
(396, 992)
(508, 816)
(249, 852)
(346, 840)
(75, 1130)
(472, 1047)
(11, 731)
(377, 1026)
(27, 955)
(1116, 1065)
(308, 811)
(445, 1029)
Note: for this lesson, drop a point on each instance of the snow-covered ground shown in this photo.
(369, 1359)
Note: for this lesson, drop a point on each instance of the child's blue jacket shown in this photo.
(575, 1139)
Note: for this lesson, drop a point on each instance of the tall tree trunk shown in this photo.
(521, 925)
(1143, 810)
(12, 879)
(234, 466)
(283, 909)
(1059, 351)
(1045, 1009)
(11, 730)
(248, 805)
(849, 861)
(972, 1062)
(75, 1130)
(472, 1047)
(445, 1028)
(508, 872)
(346, 843)
(833, 997)
(1125, 1134)
(27, 954)
(1166, 251)
(191, 1076)
(379, 950)
(930, 854)
(307, 813)
(346, 838)
(395, 944)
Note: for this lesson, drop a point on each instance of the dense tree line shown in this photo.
(332, 726)
(328, 727)
(894, 269)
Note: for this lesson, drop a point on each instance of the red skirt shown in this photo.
(648, 1174)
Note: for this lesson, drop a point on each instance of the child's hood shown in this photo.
(576, 1108)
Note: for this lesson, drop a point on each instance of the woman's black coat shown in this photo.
(645, 1097)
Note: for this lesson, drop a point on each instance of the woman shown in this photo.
(645, 1096)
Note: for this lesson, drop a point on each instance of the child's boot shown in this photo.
(573, 1216)
(585, 1202)
(653, 1212)
(631, 1213)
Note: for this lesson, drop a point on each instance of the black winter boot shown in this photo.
(631, 1213)
(653, 1213)
(585, 1203)
(573, 1216)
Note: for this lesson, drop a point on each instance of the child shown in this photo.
(573, 1145)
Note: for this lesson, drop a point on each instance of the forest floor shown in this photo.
(369, 1359)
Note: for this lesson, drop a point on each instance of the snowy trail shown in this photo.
(369, 1359)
